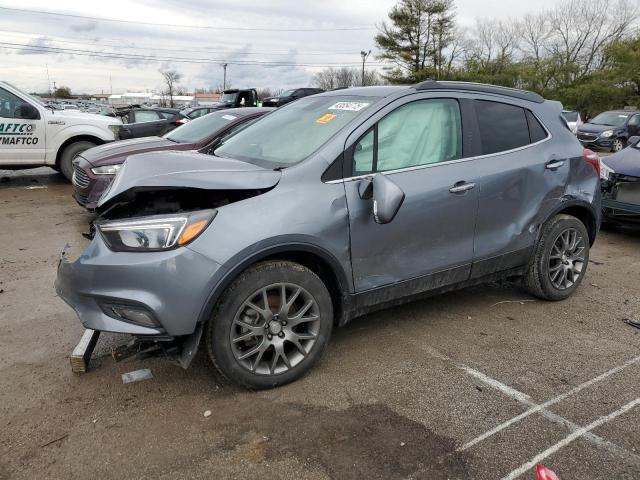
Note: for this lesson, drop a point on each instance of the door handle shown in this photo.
(461, 187)
(554, 164)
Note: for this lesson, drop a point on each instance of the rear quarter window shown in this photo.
(536, 130)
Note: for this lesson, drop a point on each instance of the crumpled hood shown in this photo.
(625, 162)
(165, 170)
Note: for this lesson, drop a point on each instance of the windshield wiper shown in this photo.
(172, 139)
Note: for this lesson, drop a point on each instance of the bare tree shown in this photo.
(171, 78)
(331, 78)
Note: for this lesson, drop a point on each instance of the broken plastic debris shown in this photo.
(207, 413)
(137, 375)
(544, 473)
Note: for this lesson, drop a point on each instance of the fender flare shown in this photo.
(242, 261)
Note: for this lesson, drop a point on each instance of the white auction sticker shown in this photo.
(350, 106)
(229, 117)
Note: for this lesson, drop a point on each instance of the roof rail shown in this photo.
(480, 87)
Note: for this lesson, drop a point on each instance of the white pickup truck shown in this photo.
(33, 135)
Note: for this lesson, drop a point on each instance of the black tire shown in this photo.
(618, 144)
(538, 278)
(223, 325)
(71, 151)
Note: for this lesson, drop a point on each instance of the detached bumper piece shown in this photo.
(621, 203)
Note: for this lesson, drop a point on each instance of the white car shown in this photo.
(573, 120)
(33, 135)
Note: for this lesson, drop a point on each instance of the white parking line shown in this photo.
(568, 439)
(526, 400)
(548, 403)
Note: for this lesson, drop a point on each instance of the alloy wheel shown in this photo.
(617, 145)
(275, 329)
(567, 259)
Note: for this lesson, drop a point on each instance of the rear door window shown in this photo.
(502, 126)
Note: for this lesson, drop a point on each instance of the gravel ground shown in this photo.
(409, 392)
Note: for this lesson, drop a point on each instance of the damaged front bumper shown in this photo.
(621, 199)
(170, 287)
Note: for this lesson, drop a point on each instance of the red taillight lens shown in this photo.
(592, 159)
(182, 121)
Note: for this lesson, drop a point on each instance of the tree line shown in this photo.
(585, 53)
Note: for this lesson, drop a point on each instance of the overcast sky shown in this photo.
(335, 33)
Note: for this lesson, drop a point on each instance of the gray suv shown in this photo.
(331, 207)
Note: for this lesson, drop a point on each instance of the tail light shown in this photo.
(592, 159)
(181, 121)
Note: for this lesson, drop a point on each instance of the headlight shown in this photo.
(154, 233)
(107, 169)
(605, 171)
(606, 133)
(115, 129)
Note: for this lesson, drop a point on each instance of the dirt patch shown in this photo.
(363, 441)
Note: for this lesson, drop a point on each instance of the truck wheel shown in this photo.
(560, 259)
(270, 326)
(65, 166)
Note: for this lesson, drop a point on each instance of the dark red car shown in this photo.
(94, 169)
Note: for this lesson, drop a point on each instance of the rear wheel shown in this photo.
(65, 166)
(270, 326)
(560, 259)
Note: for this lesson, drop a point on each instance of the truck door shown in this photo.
(22, 131)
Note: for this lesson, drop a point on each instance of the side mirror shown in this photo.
(633, 141)
(387, 199)
(27, 111)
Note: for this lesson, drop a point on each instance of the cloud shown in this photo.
(32, 47)
(88, 26)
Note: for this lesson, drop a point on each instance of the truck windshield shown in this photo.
(293, 132)
(199, 129)
(35, 100)
(229, 97)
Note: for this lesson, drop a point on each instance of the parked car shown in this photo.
(289, 96)
(573, 119)
(195, 112)
(610, 130)
(620, 175)
(34, 134)
(331, 207)
(94, 169)
(147, 122)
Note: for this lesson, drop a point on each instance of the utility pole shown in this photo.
(54, 89)
(364, 56)
(224, 77)
(48, 80)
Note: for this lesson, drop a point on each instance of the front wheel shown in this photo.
(270, 326)
(560, 259)
(617, 144)
(65, 166)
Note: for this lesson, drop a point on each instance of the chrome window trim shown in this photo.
(450, 162)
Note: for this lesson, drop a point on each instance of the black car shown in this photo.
(148, 122)
(610, 130)
(290, 96)
(196, 112)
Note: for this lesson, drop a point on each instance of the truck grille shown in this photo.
(80, 179)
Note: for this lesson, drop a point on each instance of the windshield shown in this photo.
(291, 133)
(287, 93)
(186, 111)
(614, 119)
(570, 116)
(199, 129)
(229, 97)
(30, 97)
